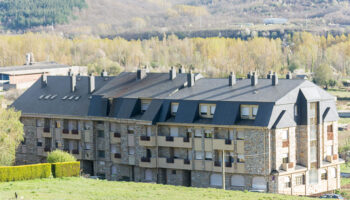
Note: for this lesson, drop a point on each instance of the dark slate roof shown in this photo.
(34, 66)
(154, 85)
(30, 103)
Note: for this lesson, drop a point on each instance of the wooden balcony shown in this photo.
(175, 163)
(115, 137)
(116, 157)
(169, 141)
(147, 141)
(223, 144)
(148, 162)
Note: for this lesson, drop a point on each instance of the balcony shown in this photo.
(287, 166)
(203, 165)
(148, 162)
(175, 163)
(116, 157)
(115, 137)
(47, 149)
(74, 134)
(46, 132)
(169, 141)
(223, 144)
(147, 141)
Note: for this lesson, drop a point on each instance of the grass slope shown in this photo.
(87, 189)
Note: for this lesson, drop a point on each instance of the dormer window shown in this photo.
(249, 111)
(144, 104)
(174, 107)
(207, 110)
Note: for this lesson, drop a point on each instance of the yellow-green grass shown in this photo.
(345, 168)
(341, 93)
(88, 189)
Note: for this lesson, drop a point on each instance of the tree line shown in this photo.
(23, 14)
(213, 57)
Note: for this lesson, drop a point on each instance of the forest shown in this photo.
(214, 57)
(23, 14)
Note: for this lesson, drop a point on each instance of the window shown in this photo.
(100, 134)
(38, 122)
(101, 154)
(174, 107)
(199, 155)
(149, 131)
(216, 180)
(284, 135)
(313, 176)
(285, 158)
(39, 143)
(114, 170)
(198, 133)
(65, 124)
(208, 155)
(329, 150)
(237, 180)
(249, 111)
(287, 182)
(240, 135)
(174, 131)
(207, 110)
(47, 123)
(295, 110)
(144, 104)
(323, 174)
(173, 171)
(300, 180)
(87, 146)
(131, 150)
(208, 135)
(240, 159)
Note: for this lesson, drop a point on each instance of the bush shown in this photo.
(66, 169)
(25, 172)
(60, 156)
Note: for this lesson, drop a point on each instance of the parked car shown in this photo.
(331, 196)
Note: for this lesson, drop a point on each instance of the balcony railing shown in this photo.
(65, 131)
(75, 132)
(116, 135)
(75, 151)
(145, 159)
(170, 160)
(217, 164)
(117, 155)
(47, 149)
(169, 138)
(187, 161)
(145, 138)
(46, 130)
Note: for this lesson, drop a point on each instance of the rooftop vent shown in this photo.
(141, 73)
(269, 75)
(231, 79)
(172, 73)
(182, 70)
(91, 83)
(190, 79)
(44, 80)
(274, 79)
(289, 75)
(254, 79)
(104, 73)
(70, 73)
(29, 58)
(73, 83)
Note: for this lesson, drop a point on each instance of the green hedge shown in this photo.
(25, 172)
(66, 169)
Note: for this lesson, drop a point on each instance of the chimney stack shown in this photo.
(254, 79)
(104, 73)
(289, 75)
(269, 75)
(141, 73)
(274, 79)
(44, 80)
(91, 83)
(182, 70)
(28, 58)
(73, 83)
(172, 73)
(190, 79)
(231, 79)
(70, 72)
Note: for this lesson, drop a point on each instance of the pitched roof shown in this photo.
(33, 68)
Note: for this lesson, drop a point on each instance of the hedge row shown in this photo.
(66, 169)
(25, 172)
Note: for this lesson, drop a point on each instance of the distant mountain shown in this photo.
(110, 17)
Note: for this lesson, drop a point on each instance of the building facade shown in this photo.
(274, 135)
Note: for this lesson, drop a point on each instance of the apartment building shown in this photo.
(270, 134)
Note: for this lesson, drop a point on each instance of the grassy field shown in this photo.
(88, 189)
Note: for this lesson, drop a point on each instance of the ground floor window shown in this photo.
(287, 182)
(237, 180)
(300, 180)
(259, 183)
(216, 180)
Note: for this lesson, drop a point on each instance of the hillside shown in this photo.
(82, 189)
(110, 17)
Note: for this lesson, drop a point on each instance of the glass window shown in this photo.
(245, 112)
(332, 172)
(198, 132)
(255, 111)
(174, 107)
(285, 158)
(208, 135)
(199, 155)
(101, 154)
(208, 155)
(299, 180)
(204, 109)
(212, 110)
(144, 105)
(240, 135)
(295, 110)
(100, 134)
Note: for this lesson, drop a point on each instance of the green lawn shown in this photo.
(87, 189)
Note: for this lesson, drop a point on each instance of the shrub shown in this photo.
(66, 169)
(25, 172)
(60, 156)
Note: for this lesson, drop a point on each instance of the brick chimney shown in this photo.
(269, 75)
(190, 79)
(91, 83)
(141, 73)
(231, 79)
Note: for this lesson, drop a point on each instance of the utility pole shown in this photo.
(223, 170)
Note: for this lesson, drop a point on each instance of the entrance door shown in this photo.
(88, 167)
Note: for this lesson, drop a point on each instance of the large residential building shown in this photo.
(275, 135)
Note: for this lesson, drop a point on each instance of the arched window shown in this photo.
(237, 180)
(216, 180)
(259, 183)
